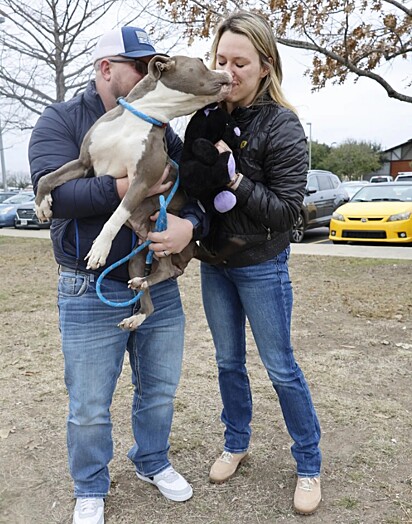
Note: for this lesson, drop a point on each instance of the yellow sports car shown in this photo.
(376, 213)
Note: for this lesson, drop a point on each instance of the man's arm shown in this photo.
(54, 142)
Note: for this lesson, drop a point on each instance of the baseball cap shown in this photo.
(130, 42)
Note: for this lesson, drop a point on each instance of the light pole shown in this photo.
(3, 162)
(310, 144)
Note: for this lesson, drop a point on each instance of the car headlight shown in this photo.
(400, 216)
(338, 216)
(6, 210)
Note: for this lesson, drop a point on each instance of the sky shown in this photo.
(359, 111)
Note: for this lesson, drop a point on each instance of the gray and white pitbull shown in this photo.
(121, 144)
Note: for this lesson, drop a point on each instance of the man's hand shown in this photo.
(174, 239)
(161, 186)
(122, 184)
(222, 147)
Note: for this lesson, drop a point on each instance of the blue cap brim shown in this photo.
(141, 54)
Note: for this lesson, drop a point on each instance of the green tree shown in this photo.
(320, 153)
(351, 160)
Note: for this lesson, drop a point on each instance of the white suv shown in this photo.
(404, 177)
(381, 178)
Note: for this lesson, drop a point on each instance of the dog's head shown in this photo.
(190, 75)
(185, 84)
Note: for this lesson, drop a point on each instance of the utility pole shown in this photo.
(310, 144)
(3, 162)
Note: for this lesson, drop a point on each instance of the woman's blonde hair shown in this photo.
(259, 32)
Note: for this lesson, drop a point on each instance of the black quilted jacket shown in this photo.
(274, 162)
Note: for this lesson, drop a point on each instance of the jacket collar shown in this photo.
(92, 99)
(243, 115)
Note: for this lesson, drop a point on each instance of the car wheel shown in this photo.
(298, 230)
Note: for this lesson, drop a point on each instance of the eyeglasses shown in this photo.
(140, 66)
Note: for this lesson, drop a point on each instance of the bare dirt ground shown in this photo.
(353, 338)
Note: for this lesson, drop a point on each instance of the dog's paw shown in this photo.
(97, 255)
(43, 210)
(131, 323)
(138, 283)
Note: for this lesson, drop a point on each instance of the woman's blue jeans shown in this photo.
(94, 348)
(263, 294)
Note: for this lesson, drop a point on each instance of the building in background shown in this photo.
(397, 159)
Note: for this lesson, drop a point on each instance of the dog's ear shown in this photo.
(158, 64)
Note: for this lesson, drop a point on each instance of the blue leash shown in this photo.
(141, 115)
(161, 222)
(161, 225)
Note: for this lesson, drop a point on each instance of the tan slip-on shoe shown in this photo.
(307, 495)
(225, 466)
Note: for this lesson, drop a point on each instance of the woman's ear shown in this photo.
(265, 68)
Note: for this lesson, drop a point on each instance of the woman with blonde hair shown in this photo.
(250, 243)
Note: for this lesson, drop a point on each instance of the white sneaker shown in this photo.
(170, 484)
(89, 511)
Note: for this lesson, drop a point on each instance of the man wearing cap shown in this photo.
(93, 346)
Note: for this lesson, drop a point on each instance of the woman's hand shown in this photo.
(174, 239)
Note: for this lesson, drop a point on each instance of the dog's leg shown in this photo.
(146, 309)
(70, 171)
(97, 255)
(136, 267)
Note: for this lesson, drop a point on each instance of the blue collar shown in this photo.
(133, 110)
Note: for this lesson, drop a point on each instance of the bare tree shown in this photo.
(346, 36)
(45, 50)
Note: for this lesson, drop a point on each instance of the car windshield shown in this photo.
(384, 193)
(4, 196)
(351, 189)
(18, 199)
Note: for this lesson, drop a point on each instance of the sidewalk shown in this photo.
(29, 233)
(389, 252)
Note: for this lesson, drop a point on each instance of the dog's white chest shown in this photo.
(117, 145)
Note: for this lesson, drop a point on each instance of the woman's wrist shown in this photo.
(234, 183)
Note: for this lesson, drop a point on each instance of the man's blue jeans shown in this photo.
(263, 294)
(94, 348)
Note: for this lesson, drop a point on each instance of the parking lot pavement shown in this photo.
(315, 248)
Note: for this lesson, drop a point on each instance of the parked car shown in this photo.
(4, 195)
(377, 213)
(380, 178)
(351, 187)
(404, 177)
(9, 206)
(322, 196)
(26, 217)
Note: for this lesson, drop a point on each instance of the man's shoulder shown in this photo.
(88, 100)
(73, 117)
